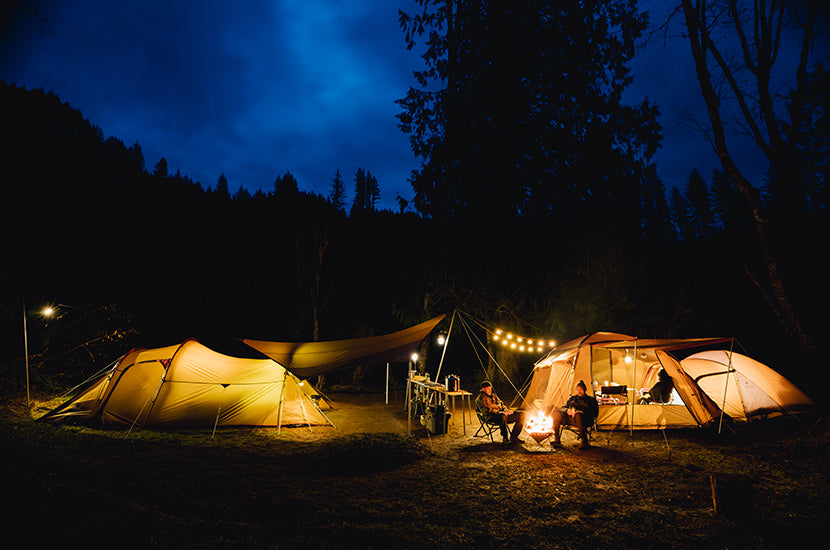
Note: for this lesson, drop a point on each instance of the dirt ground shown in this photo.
(364, 483)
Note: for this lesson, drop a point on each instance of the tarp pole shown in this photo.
(633, 388)
(409, 400)
(726, 384)
(446, 344)
(387, 383)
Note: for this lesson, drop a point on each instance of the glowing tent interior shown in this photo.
(620, 369)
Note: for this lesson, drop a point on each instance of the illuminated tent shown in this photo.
(307, 359)
(746, 389)
(621, 368)
(189, 385)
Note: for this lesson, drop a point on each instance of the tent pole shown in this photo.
(446, 344)
(387, 383)
(218, 411)
(302, 406)
(282, 399)
(633, 388)
(726, 384)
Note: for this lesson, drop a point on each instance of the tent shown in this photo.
(190, 385)
(618, 369)
(745, 389)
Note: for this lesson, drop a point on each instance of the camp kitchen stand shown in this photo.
(433, 393)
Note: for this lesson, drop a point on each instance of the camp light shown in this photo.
(519, 342)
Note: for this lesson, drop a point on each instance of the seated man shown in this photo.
(579, 411)
(494, 411)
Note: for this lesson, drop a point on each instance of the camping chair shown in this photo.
(589, 430)
(487, 428)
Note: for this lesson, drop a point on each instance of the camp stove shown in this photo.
(539, 427)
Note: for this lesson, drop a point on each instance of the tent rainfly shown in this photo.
(190, 385)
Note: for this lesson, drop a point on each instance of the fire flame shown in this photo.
(539, 423)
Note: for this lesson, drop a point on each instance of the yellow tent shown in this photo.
(189, 385)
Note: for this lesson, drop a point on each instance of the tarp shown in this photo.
(190, 385)
(307, 359)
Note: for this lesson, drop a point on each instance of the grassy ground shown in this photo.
(342, 488)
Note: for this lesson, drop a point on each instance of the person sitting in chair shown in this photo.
(579, 411)
(494, 412)
(661, 391)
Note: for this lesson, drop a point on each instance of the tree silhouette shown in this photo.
(160, 169)
(518, 111)
(366, 192)
(774, 121)
(337, 195)
(698, 201)
(222, 190)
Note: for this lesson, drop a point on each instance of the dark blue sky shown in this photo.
(256, 89)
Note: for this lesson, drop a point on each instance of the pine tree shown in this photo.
(160, 169)
(680, 214)
(337, 196)
(222, 190)
(698, 202)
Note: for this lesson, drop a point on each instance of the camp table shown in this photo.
(438, 393)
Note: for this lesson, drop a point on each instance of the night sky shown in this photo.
(257, 89)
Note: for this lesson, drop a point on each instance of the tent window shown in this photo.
(602, 367)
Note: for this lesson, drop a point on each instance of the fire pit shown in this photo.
(539, 427)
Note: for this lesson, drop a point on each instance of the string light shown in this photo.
(521, 343)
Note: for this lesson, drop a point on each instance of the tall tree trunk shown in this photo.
(777, 296)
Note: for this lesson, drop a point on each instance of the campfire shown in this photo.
(539, 426)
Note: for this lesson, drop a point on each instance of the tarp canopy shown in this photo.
(743, 387)
(307, 359)
(190, 385)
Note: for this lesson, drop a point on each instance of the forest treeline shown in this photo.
(536, 207)
(161, 258)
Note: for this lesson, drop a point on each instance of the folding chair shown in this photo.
(487, 428)
(589, 431)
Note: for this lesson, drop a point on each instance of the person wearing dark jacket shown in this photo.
(579, 411)
(661, 391)
(494, 411)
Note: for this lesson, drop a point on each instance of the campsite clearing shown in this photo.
(364, 484)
